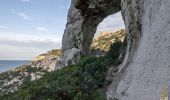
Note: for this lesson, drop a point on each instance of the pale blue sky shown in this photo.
(31, 27)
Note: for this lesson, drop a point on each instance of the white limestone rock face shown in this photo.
(149, 67)
(83, 19)
(146, 65)
(48, 63)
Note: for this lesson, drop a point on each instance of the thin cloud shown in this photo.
(25, 37)
(24, 16)
(29, 41)
(111, 23)
(14, 11)
(3, 27)
(42, 29)
(32, 44)
(25, 0)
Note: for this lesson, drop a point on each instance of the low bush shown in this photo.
(86, 80)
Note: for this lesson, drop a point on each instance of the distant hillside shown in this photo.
(12, 79)
(104, 40)
(54, 52)
(101, 44)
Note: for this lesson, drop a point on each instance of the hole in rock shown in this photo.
(109, 31)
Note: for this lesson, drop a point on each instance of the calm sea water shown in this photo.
(6, 65)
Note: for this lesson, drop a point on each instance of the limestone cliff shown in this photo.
(148, 68)
(146, 64)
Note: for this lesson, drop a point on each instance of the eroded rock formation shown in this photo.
(147, 61)
(83, 18)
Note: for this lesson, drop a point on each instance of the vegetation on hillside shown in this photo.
(86, 80)
(104, 40)
(55, 52)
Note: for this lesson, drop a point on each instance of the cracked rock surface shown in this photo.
(146, 65)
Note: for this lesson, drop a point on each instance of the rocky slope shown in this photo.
(12, 79)
(85, 80)
(49, 61)
(104, 40)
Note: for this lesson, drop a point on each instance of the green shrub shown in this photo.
(85, 80)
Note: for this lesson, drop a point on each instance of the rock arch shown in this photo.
(83, 19)
(146, 65)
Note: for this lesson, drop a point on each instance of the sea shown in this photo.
(6, 65)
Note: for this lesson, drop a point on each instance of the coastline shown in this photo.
(7, 65)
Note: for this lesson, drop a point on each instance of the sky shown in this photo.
(31, 27)
(113, 22)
